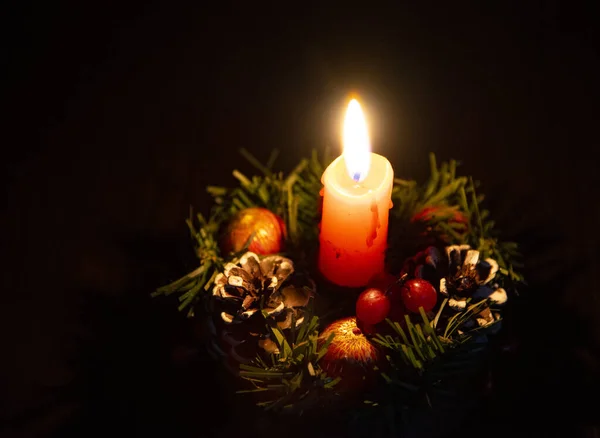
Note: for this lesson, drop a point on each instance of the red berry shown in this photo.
(372, 306)
(419, 293)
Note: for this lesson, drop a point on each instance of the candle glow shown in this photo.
(357, 188)
(357, 147)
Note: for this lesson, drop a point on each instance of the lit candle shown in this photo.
(356, 201)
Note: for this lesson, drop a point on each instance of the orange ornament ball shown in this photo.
(265, 229)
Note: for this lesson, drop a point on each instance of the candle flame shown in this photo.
(357, 147)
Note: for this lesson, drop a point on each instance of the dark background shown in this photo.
(119, 114)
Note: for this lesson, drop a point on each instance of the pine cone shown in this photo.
(470, 277)
(248, 296)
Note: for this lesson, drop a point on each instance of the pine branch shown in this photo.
(294, 197)
(295, 371)
(417, 348)
(439, 204)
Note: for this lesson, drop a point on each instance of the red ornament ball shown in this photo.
(418, 293)
(429, 213)
(268, 230)
(448, 214)
(350, 354)
(372, 306)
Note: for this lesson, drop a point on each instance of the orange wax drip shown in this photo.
(374, 224)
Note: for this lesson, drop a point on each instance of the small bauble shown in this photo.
(372, 306)
(418, 293)
(265, 227)
(452, 214)
(350, 355)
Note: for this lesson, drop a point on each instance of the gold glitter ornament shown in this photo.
(264, 228)
(350, 355)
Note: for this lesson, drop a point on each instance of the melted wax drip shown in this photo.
(374, 224)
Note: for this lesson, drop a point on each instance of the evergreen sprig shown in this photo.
(293, 379)
(449, 207)
(417, 346)
(294, 197)
(429, 365)
(420, 344)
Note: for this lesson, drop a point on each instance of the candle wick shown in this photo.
(356, 176)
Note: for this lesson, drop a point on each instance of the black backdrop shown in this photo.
(120, 114)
